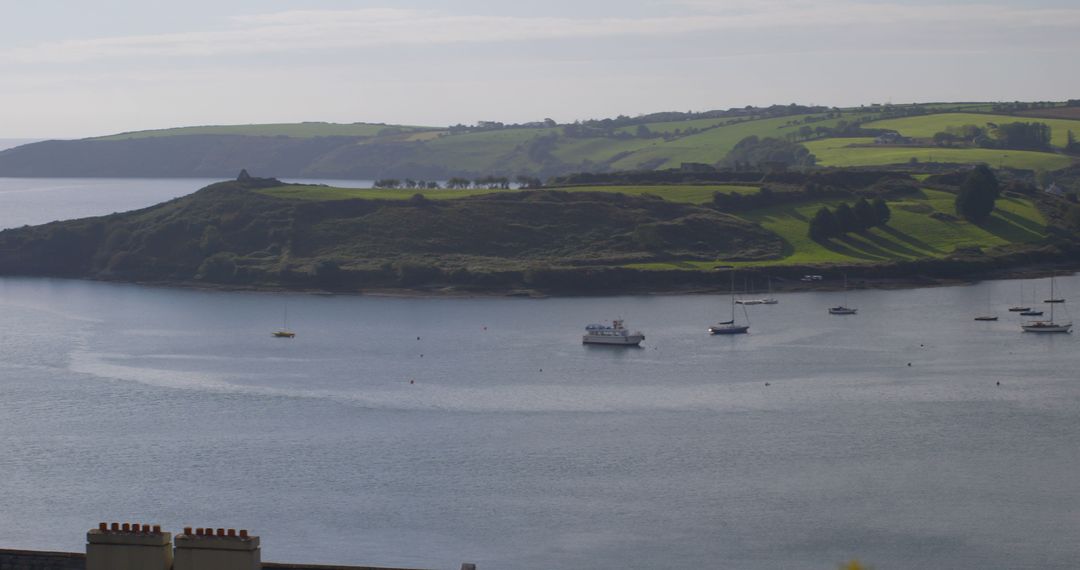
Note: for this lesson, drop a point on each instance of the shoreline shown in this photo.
(832, 281)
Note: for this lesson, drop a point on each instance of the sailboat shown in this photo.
(770, 300)
(284, 331)
(1020, 308)
(729, 327)
(843, 309)
(1032, 312)
(1053, 299)
(1048, 326)
(988, 316)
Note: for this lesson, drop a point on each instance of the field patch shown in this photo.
(925, 126)
(912, 233)
(840, 152)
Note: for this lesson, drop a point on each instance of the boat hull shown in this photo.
(628, 340)
(1047, 328)
(729, 329)
(986, 318)
(842, 311)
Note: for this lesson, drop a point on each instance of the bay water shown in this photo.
(432, 431)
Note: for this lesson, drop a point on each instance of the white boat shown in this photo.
(1048, 326)
(616, 334)
(729, 326)
(770, 300)
(843, 309)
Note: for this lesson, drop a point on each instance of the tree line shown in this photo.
(862, 216)
(460, 183)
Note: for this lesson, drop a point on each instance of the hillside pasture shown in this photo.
(324, 193)
(294, 130)
(840, 152)
(910, 234)
(925, 126)
(685, 194)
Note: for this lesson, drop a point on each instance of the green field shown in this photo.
(323, 193)
(294, 130)
(910, 234)
(713, 145)
(683, 194)
(926, 126)
(837, 152)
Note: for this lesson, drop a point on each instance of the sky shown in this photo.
(77, 68)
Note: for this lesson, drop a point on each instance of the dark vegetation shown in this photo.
(229, 234)
(978, 192)
(845, 219)
(753, 153)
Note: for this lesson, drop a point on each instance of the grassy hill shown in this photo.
(685, 194)
(926, 126)
(292, 130)
(263, 233)
(259, 233)
(862, 152)
(371, 151)
(913, 232)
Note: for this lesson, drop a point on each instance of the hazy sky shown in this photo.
(71, 68)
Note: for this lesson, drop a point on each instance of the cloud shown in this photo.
(320, 30)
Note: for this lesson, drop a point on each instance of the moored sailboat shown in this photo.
(1047, 326)
(729, 326)
(843, 309)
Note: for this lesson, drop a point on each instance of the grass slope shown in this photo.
(911, 233)
(294, 130)
(679, 194)
(926, 126)
(838, 152)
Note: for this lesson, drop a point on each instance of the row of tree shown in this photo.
(458, 183)
(862, 216)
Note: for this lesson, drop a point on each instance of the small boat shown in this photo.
(1048, 326)
(284, 331)
(1020, 308)
(729, 326)
(843, 309)
(614, 335)
(1053, 300)
(988, 315)
(1031, 313)
(770, 300)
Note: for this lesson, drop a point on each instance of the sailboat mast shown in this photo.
(732, 295)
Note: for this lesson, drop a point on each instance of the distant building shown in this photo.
(1055, 190)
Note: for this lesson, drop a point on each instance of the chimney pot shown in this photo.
(187, 530)
(243, 533)
(126, 527)
(221, 532)
(147, 528)
(157, 529)
(232, 532)
(115, 527)
(103, 527)
(199, 531)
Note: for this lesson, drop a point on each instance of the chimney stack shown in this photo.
(130, 547)
(225, 550)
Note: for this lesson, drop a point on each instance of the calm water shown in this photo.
(517, 448)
